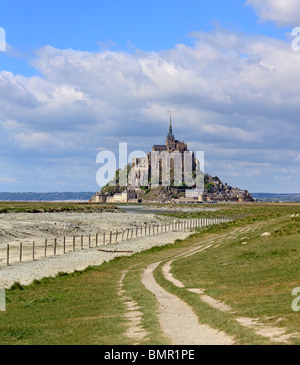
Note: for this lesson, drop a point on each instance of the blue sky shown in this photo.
(79, 77)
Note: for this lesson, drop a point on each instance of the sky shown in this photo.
(79, 77)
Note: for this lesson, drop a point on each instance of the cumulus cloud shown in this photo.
(229, 91)
(283, 12)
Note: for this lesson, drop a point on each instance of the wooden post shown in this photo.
(7, 255)
(64, 244)
(89, 241)
(55, 241)
(116, 237)
(122, 234)
(20, 251)
(103, 238)
(127, 234)
(33, 251)
(96, 239)
(81, 242)
(45, 247)
(73, 243)
(110, 237)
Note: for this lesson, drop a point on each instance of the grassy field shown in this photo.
(50, 207)
(256, 279)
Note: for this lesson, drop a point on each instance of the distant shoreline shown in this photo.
(60, 197)
(83, 197)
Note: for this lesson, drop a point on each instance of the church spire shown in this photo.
(170, 134)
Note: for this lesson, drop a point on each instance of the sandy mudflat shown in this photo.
(28, 227)
(25, 273)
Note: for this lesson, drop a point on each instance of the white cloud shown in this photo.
(283, 12)
(8, 180)
(39, 140)
(229, 91)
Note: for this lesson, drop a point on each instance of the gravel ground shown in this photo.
(28, 227)
(26, 273)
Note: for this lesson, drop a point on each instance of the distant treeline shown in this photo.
(46, 197)
(268, 197)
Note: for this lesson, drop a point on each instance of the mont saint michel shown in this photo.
(140, 187)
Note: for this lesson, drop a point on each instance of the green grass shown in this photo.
(84, 307)
(256, 279)
(50, 207)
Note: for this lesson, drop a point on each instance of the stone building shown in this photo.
(127, 196)
(168, 157)
(172, 144)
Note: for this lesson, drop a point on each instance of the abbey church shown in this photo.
(172, 144)
(163, 157)
(146, 179)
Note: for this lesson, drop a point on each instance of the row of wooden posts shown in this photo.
(115, 237)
